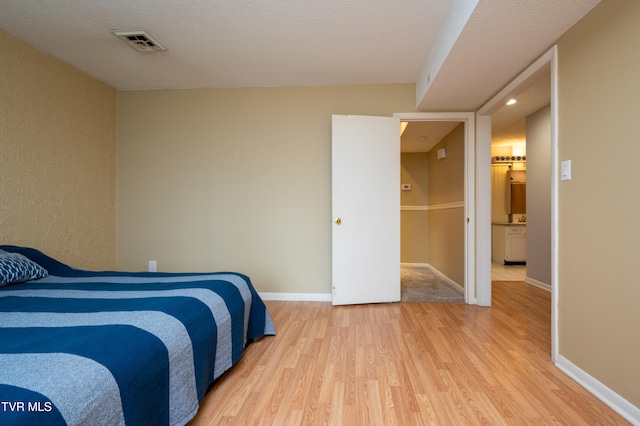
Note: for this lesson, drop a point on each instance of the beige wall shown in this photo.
(57, 158)
(446, 226)
(446, 243)
(236, 179)
(446, 176)
(414, 216)
(599, 231)
(414, 170)
(539, 196)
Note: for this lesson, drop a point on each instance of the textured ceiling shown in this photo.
(239, 43)
(421, 136)
(232, 43)
(501, 38)
(508, 124)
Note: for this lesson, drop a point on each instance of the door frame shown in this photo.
(468, 118)
(546, 62)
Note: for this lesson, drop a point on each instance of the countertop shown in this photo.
(509, 223)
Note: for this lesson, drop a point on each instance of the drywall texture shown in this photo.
(236, 179)
(599, 319)
(414, 171)
(414, 215)
(539, 196)
(446, 176)
(446, 225)
(57, 158)
(414, 236)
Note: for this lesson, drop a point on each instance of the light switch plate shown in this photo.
(565, 170)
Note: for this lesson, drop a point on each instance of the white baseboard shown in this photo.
(415, 265)
(297, 297)
(327, 297)
(620, 405)
(537, 283)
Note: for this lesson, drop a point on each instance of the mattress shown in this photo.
(81, 347)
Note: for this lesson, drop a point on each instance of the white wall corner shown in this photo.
(483, 211)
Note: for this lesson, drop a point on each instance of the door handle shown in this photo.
(338, 221)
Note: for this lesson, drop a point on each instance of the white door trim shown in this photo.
(468, 118)
(547, 62)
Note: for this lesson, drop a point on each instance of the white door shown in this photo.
(366, 209)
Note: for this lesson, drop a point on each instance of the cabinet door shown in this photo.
(516, 247)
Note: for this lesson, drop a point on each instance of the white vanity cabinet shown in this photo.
(509, 243)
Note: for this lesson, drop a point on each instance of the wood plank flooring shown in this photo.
(405, 364)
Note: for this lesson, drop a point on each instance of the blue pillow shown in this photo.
(15, 268)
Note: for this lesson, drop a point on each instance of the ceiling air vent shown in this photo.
(139, 40)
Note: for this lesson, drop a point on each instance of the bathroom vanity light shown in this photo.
(517, 151)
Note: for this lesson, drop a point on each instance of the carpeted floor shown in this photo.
(420, 284)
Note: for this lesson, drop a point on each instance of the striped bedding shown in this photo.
(85, 348)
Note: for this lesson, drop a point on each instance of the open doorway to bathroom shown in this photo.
(547, 211)
(520, 166)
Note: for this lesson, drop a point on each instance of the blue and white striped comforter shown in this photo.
(121, 348)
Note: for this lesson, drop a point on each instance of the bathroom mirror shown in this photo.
(517, 198)
(516, 192)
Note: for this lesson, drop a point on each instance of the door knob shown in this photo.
(338, 221)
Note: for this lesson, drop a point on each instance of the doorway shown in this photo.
(520, 160)
(461, 206)
(352, 136)
(432, 211)
(546, 64)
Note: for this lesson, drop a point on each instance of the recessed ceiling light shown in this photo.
(511, 101)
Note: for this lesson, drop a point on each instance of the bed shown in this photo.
(80, 347)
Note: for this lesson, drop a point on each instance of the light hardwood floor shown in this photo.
(405, 364)
(501, 272)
